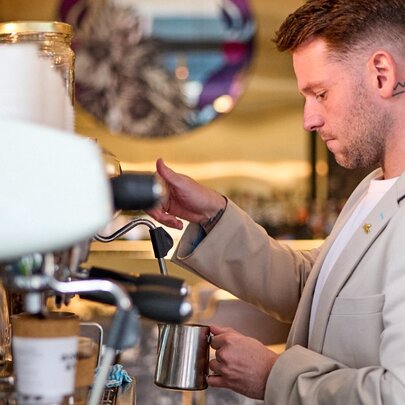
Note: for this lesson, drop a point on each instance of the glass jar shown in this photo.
(54, 40)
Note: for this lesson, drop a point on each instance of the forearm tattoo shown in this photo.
(399, 89)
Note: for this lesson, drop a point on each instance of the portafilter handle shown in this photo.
(177, 285)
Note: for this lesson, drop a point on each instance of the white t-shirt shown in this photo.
(375, 192)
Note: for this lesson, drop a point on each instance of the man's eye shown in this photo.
(321, 96)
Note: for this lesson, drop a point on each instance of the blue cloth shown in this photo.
(117, 376)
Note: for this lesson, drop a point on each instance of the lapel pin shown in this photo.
(367, 228)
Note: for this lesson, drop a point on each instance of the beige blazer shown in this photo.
(356, 352)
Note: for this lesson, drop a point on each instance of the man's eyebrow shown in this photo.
(310, 86)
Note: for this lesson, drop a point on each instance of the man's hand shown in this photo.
(241, 363)
(186, 200)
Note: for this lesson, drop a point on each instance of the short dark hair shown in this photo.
(344, 24)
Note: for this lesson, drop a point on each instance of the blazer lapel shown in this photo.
(364, 237)
(300, 327)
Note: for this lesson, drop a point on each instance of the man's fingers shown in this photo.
(163, 170)
(216, 381)
(215, 367)
(165, 218)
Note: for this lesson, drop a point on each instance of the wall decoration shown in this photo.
(148, 69)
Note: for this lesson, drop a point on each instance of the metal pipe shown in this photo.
(123, 230)
(122, 299)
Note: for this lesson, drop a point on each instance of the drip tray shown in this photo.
(125, 395)
(110, 396)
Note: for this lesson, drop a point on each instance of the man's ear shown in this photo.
(383, 69)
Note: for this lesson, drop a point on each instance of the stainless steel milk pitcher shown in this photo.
(183, 356)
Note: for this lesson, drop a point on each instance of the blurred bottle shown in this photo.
(53, 39)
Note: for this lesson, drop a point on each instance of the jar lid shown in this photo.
(17, 27)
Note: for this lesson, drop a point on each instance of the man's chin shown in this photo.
(344, 162)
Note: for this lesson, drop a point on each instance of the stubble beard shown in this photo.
(365, 128)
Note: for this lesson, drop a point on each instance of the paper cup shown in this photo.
(44, 356)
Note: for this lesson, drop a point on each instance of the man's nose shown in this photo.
(313, 120)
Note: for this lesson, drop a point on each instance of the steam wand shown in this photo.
(162, 242)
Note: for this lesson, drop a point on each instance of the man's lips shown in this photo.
(330, 141)
(325, 137)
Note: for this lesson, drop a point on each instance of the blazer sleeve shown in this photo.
(240, 257)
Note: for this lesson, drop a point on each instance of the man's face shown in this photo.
(340, 107)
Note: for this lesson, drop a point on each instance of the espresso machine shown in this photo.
(56, 197)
